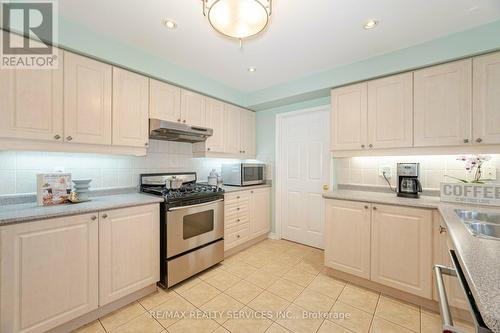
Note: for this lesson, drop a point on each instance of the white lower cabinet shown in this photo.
(247, 215)
(56, 270)
(49, 272)
(391, 245)
(128, 251)
(347, 245)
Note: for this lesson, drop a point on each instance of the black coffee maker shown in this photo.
(408, 183)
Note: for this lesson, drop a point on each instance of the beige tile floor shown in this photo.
(271, 278)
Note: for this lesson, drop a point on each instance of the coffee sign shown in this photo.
(480, 194)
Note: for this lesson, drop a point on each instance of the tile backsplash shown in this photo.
(18, 169)
(365, 170)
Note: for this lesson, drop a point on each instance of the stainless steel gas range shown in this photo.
(191, 224)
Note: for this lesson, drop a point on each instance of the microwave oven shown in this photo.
(243, 174)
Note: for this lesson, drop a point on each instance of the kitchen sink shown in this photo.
(484, 225)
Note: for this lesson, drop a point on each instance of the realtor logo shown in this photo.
(36, 21)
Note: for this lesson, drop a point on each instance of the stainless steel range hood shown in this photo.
(172, 131)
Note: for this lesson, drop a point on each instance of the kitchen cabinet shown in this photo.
(31, 103)
(128, 251)
(347, 233)
(349, 117)
(192, 108)
(87, 100)
(401, 248)
(214, 110)
(130, 108)
(454, 292)
(486, 99)
(390, 112)
(247, 134)
(232, 125)
(164, 101)
(442, 104)
(246, 216)
(49, 272)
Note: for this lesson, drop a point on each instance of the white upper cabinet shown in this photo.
(349, 117)
(164, 101)
(31, 103)
(442, 104)
(87, 100)
(192, 108)
(247, 130)
(232, 125)
(390, 112)
(486, 105)
(130, 108)
(214, 111)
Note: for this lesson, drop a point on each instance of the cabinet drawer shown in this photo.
(240, 195)
(236, 221)
(235, 236)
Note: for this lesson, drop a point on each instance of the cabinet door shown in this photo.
(402, 248)
(454, 292)
(164, 101)
(442, 104)
(247, 130)
(390, 112)
(260, 211)
(232, 129)
(31, 103)
(49, 272)
(129, 251)
(215, 120)
(486, 112)
(192, 108)
(87, 100)
(130, 108)
(347, 237)
(349, 117)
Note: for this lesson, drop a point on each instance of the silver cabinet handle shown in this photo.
(69, 138)
(197, 205)
(479, 140)
(104, 215)
(57, 136)
(93, 217)
(443, 299)
(466, 140)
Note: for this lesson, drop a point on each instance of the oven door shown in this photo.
(189, 227)
(252, 174)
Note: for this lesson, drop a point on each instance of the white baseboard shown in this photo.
(273, 235)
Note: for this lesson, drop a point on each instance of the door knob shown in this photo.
(325, 187)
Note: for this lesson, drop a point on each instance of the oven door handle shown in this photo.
(197, 205)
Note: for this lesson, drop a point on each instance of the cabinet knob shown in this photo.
(366, 207)
(184, 121)
(362, 146)
(93, 217)
(374, 208)
(104, 215)
(479, 140)
(466, 140)
(238, 236)
(208, 149)
(146, 144)
(238, 197)
(244, 151)
(238, 220)
(370, 145)
(251, 191)
(238, 208)
(57, 136)
(69, 138)
(442, 229)
(179, 120)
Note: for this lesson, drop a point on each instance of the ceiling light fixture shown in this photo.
(370, 24)
(170, 24)
(238, 19)
(252, 69)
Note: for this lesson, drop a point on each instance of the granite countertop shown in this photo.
(479, 257)
(229, 189)
(18, 213)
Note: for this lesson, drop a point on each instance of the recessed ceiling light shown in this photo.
(370, 24)
(170, 24)
(252, 69)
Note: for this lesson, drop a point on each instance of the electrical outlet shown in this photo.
(387, 169)
(489, 173)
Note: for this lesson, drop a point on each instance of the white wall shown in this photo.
(18, 169)
(364, 170)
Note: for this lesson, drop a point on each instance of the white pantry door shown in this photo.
(305, 168)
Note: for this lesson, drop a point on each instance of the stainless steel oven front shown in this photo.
(189, 227)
